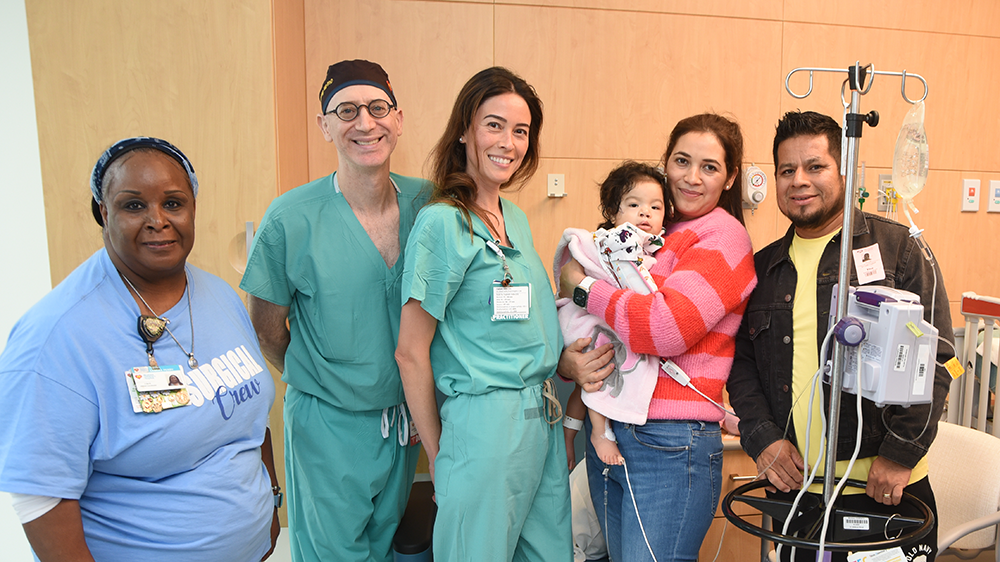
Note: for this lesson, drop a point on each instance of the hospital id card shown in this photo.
(512, 302)
(868, 264)
(148, 379)
(162, 389)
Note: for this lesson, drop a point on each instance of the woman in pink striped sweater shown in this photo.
(704, 275)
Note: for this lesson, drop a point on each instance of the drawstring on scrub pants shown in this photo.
(552, 407)
(390, 416)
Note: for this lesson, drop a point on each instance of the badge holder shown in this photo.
(153, 389)
(511, 301)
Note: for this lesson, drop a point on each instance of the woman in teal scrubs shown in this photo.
(479, 321)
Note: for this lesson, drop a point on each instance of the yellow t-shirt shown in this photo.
(805, 255)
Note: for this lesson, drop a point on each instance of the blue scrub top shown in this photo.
(451, 272)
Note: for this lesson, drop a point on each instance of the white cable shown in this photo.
(725, 526)
(812, 475)
(847, 474)
(822, 442)
(634, 505)
(606, 535)
(678, 374)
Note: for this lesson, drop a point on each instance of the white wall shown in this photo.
(25, 253)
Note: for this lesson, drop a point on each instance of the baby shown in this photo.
(634, 202)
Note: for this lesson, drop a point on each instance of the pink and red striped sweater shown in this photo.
(705, 274)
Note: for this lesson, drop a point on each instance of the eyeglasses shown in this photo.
(348, 111)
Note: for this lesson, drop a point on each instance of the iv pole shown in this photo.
(859, 80)
(854, 123)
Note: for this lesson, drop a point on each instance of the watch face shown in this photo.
(580, 297)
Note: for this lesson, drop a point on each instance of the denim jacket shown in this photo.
(761, 379)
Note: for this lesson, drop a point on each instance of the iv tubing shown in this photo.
(843, 481)
(822, 441)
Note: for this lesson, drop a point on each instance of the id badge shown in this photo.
(153, 390)
(512, 302)
(868, 264)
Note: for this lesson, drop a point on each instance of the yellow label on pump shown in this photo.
(954, 367)
(913, 328)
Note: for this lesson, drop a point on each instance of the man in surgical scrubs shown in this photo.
(328, 259)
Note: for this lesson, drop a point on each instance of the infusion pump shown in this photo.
(898, 348)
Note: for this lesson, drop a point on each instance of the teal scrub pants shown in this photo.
(347, 487)
(501, 481)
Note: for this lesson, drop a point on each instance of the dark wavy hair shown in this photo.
(728, 133)
(807, 123)
(620, 182)
(452, 184)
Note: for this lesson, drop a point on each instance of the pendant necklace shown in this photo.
(151, 327)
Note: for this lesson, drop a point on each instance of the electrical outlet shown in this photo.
(970, 195)
(557, 185)
(993, 197)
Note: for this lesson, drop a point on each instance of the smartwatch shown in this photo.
(582, 291)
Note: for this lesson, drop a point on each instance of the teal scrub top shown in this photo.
(312, 255)
(451, 273)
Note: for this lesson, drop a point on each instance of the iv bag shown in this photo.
(909, 162)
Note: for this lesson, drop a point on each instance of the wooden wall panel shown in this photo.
(579, 209)
(291, 107)
(961, 99)
(756, 9)
(961, 121)
(615, 76)
(197, 74)
(429, 50)
(956, 17)
(614, 83)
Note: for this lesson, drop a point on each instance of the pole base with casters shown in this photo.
(808, 521)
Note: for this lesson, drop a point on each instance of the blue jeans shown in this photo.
(675, 469)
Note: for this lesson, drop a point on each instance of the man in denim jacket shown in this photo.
(777, 347)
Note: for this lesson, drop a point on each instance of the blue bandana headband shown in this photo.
(127, 145)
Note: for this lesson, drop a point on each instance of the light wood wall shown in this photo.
(615, 75)
(235, 85)
(195, 73)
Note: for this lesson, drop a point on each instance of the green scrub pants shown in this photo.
(501, 481)
(347, 486)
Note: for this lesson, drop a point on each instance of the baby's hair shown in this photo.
(621, 180)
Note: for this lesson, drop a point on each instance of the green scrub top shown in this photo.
(312, 255)
(451, 273)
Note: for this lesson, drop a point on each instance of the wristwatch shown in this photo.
(582, 292)
(279, 496)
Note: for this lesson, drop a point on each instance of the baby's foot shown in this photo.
(607, 450)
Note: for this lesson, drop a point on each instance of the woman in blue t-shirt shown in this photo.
(125, 432)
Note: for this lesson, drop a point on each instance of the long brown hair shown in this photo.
(728, 133)
(452, 184)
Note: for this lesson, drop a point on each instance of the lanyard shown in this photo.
(495, 246)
